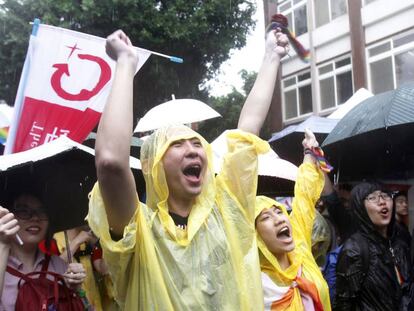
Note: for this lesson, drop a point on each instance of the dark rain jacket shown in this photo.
(366, 275)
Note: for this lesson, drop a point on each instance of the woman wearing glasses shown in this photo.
(23, 225)
(373, 267)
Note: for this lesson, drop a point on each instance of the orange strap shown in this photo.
(284, 302)
(305, 286)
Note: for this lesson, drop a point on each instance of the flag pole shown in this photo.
(18, 102)
(174, 59)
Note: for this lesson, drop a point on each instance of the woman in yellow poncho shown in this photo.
(192, 245)
(291, 278)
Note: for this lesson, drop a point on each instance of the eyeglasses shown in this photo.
(375, 198)
(24, 212)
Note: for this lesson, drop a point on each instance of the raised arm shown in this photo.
(257, 104)
(308, 187)
(112, 147)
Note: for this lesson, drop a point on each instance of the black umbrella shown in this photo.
(374, 140)
(288, 142)
(62, 172)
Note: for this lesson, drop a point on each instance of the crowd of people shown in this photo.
(205, 241)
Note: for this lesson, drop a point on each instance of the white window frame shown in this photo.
(291, 10)
(296, 87)
(334, 73)
(392, 52)
(330, 14)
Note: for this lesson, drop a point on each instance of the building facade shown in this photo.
(353, 44)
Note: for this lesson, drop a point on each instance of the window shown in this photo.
(391, 62)
(295, 12)
(327, 10)
(335, 82)
(297, 95)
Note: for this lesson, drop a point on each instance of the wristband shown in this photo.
(320, 158)
(308, 151)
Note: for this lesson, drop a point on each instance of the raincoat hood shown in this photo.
(268, 262)
(152, 152)
(358, 196)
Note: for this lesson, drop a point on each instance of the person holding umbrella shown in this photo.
(192, 245)
(27, 217)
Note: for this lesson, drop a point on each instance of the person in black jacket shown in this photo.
(373, 269)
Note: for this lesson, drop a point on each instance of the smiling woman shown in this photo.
(27, 217)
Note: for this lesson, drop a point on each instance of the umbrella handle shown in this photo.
(68, 251)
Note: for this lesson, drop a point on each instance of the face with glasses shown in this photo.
(379, 208)
(32, 217)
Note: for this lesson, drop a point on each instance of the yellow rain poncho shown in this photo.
(211, 265)
(321, 238)
(308, 187)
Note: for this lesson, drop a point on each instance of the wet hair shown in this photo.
(360, 192)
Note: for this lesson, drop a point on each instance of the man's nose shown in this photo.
(190, 148)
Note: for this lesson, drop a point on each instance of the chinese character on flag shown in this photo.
(65, 82)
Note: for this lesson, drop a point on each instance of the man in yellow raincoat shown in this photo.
(192, 245)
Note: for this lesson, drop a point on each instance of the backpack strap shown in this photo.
(23, 276)
(45, 266)
(15, 272)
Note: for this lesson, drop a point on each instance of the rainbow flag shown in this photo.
(4, 132)
(281, 21)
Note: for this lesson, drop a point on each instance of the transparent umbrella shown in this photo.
(175, 111)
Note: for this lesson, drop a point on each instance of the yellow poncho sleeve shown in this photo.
(238, 177)
(117, 254)
(308, 188)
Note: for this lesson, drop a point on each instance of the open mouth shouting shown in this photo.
(284, 234)
(384, 212)
(192, 173)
